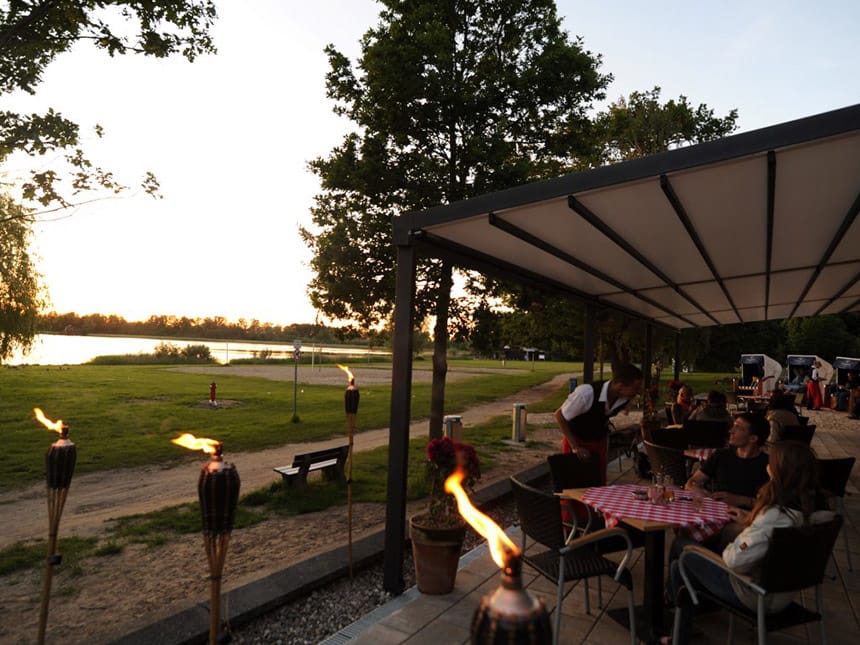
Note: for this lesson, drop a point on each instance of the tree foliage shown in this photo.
(641, 125)
(452, 99)
(34, 34)
(21, 293)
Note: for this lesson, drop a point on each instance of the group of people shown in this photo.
(765, 485)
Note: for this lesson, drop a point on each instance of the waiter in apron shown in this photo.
(584, 416)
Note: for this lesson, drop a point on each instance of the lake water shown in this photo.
(52, 349)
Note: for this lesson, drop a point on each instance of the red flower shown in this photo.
(443, 457)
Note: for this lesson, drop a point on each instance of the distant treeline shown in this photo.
(217, 328)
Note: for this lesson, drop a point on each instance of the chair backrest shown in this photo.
(799, 433)
(539, 513)
(833, 474)
(569, 471)
(667, 461)
(803, 420)
(706, 434)
(669, 437)
(781, 570)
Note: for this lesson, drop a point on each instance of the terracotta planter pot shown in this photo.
(436, 554)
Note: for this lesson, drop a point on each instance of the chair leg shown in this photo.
(845, 533)
(819, 607)
(558, 600)
(587, 599)
(599, 592)
(631, 612)
(762, 626)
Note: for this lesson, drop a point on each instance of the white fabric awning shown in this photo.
(757, 226)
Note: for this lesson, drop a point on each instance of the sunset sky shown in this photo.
(229, 136)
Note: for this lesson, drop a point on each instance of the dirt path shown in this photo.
(97, 498)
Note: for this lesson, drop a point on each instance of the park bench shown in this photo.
(330, 462)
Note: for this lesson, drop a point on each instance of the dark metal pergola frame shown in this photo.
(429, 234)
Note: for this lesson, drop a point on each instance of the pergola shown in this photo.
(757, 226)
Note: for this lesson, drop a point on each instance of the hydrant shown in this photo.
(212, 400)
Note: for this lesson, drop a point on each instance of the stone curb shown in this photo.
(191, 626)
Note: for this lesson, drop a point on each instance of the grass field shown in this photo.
(126, 416)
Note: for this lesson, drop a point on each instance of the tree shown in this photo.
(640, 125)
(21, 293)
(33, 34)
(454, 98)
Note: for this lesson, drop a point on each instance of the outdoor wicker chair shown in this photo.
(562, 559)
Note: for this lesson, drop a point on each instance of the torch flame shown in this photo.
(56, 426)
(346, 369)
(188, 440)
(501, 546)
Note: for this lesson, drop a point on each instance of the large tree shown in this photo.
(21, 295)
(450, 99)
(32, 35)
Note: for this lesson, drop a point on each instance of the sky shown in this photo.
(230, 135)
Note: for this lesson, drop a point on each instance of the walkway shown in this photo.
(416, 619)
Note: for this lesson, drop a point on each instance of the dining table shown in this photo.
(619, 503)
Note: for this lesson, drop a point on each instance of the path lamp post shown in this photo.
(297, 352)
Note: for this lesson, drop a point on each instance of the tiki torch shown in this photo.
(218, 490)
(350, 400)
(510, 614)
(59, 468)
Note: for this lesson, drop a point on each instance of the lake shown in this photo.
(57, 349)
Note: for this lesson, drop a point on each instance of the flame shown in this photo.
(56, 426)
(346, 369)
(501, 546)
(188, 440)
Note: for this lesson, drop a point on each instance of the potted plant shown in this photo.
(437, 534)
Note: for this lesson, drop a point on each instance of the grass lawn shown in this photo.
(126, 416)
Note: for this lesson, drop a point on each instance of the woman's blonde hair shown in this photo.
(793, 480)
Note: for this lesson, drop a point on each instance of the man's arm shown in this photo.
(565, 430)
(741, 501)
(698, 479)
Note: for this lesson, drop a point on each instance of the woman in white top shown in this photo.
(790, 498)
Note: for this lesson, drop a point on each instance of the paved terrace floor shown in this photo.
(415, 618)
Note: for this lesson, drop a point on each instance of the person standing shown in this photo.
(813, 392)
(584, 416)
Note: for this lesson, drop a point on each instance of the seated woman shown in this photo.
(790, 498)
(715, 409)
(684, 405)
(780, 413)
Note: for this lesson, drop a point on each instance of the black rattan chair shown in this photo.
(833, 475)
(667, 461)
(706, 434)
(780, 572)
(563, 560)
(803, 434)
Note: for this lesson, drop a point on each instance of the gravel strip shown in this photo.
(329, 609)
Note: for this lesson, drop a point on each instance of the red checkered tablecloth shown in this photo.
(617, 503)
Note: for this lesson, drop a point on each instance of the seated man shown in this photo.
(735, 474)
(798, 383)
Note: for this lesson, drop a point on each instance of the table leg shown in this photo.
(655, 548)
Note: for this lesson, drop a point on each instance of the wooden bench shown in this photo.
(330, 461)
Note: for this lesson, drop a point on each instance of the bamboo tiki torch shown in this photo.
(59, 468)
(218, 490)
(350, 400)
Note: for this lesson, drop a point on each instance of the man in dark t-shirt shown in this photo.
(736, 473)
